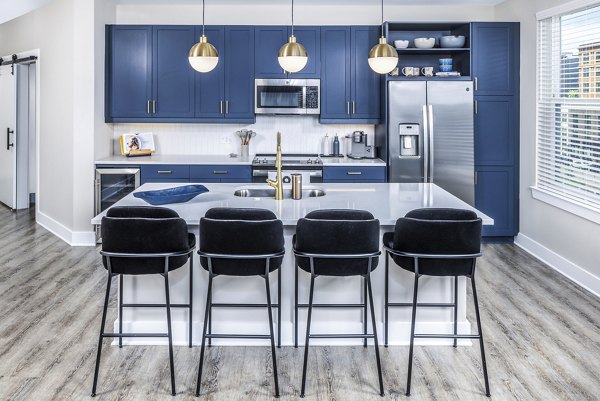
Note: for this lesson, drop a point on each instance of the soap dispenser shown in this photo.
(336, 146)
(326, 151)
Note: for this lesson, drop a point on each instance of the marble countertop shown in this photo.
(223, 159)
(387, 202)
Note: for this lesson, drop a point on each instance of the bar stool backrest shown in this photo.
(241, 231)
(438, 232)
(143, 230)
(341, 232)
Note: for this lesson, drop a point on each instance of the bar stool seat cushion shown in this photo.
(437, 232)
(142, 230)
(337, 231)
(241, 231)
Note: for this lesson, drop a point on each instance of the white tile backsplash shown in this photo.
(300, 134)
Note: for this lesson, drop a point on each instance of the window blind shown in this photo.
(568, 106)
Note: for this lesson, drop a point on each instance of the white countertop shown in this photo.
(223, 159)
(387, 202)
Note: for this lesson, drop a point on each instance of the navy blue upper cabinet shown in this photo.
(129, 71)
(210, 86)
(350, 90)
(496, 130)
(366, 82)
(336, 73)
(268, 41)
(239, 73)
(495, 53)
(270, 38)
(173, 77)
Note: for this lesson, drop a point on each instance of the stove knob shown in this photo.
(309, 161)
(286, 179)
(264, 161)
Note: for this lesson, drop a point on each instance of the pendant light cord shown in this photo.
(381, 17)
(292, 17)
(203, 8)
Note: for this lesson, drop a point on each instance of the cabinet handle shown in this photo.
(476, 83)
(348, 108)
(165, 172)
(154, 107)
(148, 106)
(476, 178)
(220, 172)
(476, 108)
(354, 173)
(221, 103)
(226, 106)
(353, 107)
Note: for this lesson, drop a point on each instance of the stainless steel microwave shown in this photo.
(287, 96)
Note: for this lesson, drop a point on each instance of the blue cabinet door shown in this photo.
(239, 73)
(210, 86)
(129, 71)
(495, 53)
(173, 77)
(496, 130)
(366, 83)
(310, 38)
(268, 40)
(354, 174)
(495, 195)
(335, 72)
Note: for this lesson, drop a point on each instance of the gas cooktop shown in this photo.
(287, 159)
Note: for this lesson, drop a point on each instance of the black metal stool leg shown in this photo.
(273, 355)
(191, 300)
(279, 308)
(483, 363)
(455, 309)
(202, 346)
(170, 333)
(310, 302)
(101, 336)
(295, 306)
(120, 310)
(412, 334)
(210, 320)
(374, 323)
(365, 311)
(386, 300)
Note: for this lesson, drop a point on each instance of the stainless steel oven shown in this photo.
(310, 175)
(287, 96)
(309, 166)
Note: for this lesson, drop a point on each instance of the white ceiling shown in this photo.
(10, 9)
(320, 2)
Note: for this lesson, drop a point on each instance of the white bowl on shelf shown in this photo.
(401, 44)
(424, 43)
(456, 42)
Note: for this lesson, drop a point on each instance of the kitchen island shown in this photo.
(387, 202)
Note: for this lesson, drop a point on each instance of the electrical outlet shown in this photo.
(225, 140)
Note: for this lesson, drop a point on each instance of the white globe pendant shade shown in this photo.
(292, 56)
(203, 56)
(383, 58)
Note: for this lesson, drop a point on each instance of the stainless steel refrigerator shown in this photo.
(430, 135)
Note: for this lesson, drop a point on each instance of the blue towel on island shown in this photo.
(171, 195)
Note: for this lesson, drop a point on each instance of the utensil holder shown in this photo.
(245, 152)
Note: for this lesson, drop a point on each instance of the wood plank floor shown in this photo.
(542, 337)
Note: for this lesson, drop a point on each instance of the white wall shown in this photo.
(569, 236)
(252, 14)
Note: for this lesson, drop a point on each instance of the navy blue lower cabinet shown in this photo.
(354, 174)
(166, 180)
(164, 172)
(221, 172)
(496, 196)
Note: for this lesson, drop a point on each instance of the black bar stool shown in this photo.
(337, 243)
(139, 241)
(436, 242)
(241, 242)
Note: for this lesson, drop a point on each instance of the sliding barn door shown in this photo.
(8, 125)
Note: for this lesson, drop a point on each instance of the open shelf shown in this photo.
(422, 78)
(435, 50)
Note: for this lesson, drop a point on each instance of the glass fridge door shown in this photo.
(113, 184)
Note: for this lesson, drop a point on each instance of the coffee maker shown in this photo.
(359, 149)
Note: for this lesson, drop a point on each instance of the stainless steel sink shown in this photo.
(270, 193)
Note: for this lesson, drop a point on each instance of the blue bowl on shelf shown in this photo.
(171, 195)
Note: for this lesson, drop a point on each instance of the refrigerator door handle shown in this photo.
(431, 148)
(425, 145)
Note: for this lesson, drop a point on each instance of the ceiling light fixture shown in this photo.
(383, 58)
(292, 56)
(203, 56)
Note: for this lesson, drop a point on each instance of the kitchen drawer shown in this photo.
(221, 172)
(358, 174)
(167, 180)
(165, 172)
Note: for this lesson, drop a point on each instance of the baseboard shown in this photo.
(73, 238)
(562, 265)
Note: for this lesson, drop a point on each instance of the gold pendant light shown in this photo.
(383, 58)
(292, 56)
(203, 56)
